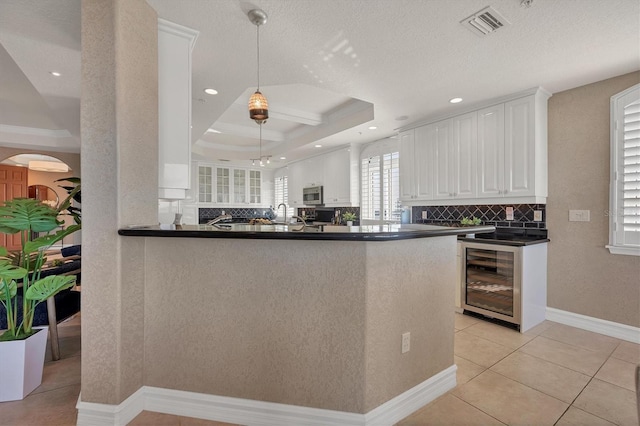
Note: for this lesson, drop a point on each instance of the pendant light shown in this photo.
(258, 105)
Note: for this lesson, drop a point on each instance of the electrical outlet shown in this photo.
(424, 214)
(509, 213)
(406, 342)
(579, 215)
(537, 215)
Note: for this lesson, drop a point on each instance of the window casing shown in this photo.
(624, 213)
(380, 172)
(282, 195)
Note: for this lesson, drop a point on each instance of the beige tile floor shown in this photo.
(551, 375)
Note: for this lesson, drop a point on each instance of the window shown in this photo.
(282, 195)
(624, 214)
(380, 170)
(204, 184)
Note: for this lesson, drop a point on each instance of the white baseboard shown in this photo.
(597, 325)
(251, 412)
(94, 414)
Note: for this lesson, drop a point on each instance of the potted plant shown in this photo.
(22, 347)
(349, 218)
(473, 221)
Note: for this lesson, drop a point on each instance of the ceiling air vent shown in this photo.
(485, 22)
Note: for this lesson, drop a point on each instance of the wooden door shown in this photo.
(13, 184)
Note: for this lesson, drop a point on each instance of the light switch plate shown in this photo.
(509, 212)
(537, 215)
(579, 215)
(424, 214)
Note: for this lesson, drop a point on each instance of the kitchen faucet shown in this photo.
(285, 211)
(218, 219)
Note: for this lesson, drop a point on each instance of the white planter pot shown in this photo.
(21, 364)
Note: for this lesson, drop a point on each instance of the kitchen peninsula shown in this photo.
(313, 318)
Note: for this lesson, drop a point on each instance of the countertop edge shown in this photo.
(309, 236)
(503, 242)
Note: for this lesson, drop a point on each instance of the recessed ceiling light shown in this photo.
(55, 73)
(318, 146)
(372, 128)
(455, 100)
(213, 131)
(211, 91)
(283, 158)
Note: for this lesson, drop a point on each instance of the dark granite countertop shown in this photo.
(510, 237)
(297, 232)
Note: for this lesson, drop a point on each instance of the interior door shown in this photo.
(13, 184)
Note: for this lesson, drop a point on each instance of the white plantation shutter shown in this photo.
(625, 167)
(371, 182)
(282, 195)
(391, 186)
(380, 192)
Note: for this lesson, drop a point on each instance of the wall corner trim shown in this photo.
(597, 325)
(245, 411)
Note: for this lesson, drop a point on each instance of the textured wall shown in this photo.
(119, 121)
(254, 319)
(584, 277)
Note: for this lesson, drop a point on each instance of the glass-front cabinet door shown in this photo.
(205, 184)
(239, 186)
(255, 181)
(222, 185)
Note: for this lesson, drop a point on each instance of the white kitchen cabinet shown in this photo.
(337, 172)
(219, 185)
(444, 162)
(491, 162)
(407, 165)
(497, 154)
(520, 147)
(175, 44)
(423, 151)
(223, 185)
(295, 183)
(465, 143)
(239, 186)
(455, 142)
(416, 163)
(337, 178)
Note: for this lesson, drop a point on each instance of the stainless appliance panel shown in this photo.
(312, 196)
(491, 280)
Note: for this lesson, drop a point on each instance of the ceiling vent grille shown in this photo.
(485, 22)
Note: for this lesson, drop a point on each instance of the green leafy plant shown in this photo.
(74, 192)
(348, 216)
(26, 216)
(470, 221)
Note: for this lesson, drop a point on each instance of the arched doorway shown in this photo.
(33, 176)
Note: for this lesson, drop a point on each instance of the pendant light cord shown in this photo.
(258, 50)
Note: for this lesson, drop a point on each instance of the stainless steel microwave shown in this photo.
(312, 196)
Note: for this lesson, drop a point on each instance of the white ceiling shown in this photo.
(393, 57)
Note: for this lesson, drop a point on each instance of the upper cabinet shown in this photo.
(229, 186)
(175, 44)
(337, 172)
(496, 154)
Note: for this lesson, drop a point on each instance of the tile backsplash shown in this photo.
(206, 214)
(489, 214)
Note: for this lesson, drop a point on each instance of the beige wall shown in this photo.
(310, 323)
(119, 125)
(584, 278)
